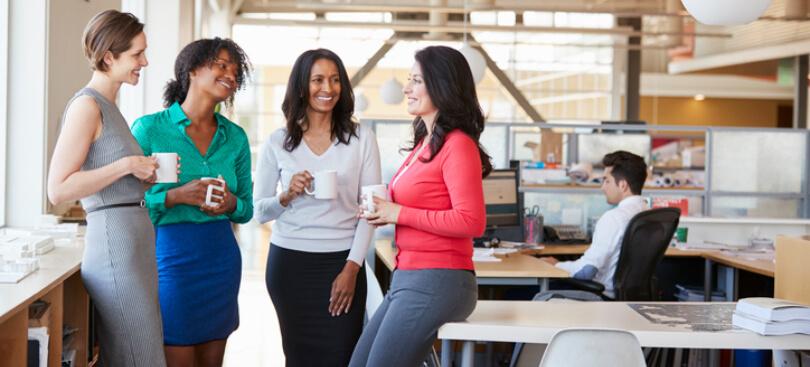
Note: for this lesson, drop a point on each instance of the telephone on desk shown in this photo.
(564, 234)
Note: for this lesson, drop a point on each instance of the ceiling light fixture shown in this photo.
(726, 12)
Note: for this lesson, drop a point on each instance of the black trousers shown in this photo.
(300, 284)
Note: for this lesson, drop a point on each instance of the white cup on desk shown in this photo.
(167, 167)
(209, 194)
(324, 185)
(368, 193)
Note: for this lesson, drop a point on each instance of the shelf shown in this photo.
(675, 169)
(584, 189)
(766, 221)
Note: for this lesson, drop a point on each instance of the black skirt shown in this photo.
(300, 284)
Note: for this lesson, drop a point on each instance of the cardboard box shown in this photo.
(791, 271)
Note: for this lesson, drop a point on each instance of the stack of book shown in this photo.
(772, 316)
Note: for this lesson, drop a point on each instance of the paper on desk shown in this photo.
(709, 245)
(752, 255)
(484, 255)
(519, 245)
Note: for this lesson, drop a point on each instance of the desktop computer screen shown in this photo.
(501, 199)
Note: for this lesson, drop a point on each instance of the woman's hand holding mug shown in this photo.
(386, 212)
(298, 183)
(192, 193)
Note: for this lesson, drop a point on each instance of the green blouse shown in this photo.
(228, 155)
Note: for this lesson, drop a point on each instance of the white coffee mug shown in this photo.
(324, 184)
(368, 193)
(167, 167)
(209, 194)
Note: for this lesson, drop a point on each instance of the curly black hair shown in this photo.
(203, 53)
(451, 88)
(296, 100)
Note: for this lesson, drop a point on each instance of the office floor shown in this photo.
(257, 342)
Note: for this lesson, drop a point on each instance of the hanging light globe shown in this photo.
(391, 91)
(476, 61)
(726, 12)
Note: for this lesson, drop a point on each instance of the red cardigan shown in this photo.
(442, 207)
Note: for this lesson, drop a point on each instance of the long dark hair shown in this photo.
(451, 88)
(200, 53)
(296, 100)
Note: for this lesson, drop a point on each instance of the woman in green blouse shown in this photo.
(199, 265)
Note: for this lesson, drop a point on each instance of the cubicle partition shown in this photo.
(725, 172)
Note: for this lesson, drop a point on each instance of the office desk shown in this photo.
(514, 269)
(733, 261)
(537, 322)
(579, 249)
(57, 282)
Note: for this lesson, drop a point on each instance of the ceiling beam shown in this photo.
(371, 63)
(456, 27)
(750, 55)
(628, 9)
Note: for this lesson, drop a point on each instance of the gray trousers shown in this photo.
(404, 327)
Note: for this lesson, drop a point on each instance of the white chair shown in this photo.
(374, 294)
(593, 347)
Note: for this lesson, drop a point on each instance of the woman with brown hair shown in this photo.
(97, 160)
(438, 208)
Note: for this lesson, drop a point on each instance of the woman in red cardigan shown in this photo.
(438, 208)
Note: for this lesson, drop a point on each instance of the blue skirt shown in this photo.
(199, 271)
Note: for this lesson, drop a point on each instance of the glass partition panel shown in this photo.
(494, 139)
(755, 207)
(570, 209)
(521, 136)
(592, 147)
(753, 161)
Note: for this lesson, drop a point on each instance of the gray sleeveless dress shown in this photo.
(118, 268)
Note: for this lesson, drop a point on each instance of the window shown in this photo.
(3, 113)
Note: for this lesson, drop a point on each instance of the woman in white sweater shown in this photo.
(318, 245)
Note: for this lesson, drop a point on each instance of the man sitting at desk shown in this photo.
(625, 174)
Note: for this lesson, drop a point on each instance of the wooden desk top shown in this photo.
(54, 268)
(579, 249)
(762, 267)
(739, 261)
(512, 266)
(537, 322)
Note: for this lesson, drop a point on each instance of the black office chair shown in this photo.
(646, 239)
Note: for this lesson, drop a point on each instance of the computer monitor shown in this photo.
(501, 199)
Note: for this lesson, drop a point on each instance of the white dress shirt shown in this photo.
(315, 225)
(603, 254)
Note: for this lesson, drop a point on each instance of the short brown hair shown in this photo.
(629, 167)
(110, 30)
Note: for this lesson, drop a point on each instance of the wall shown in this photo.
(4, 27)
(67, 69)
(711, 111)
